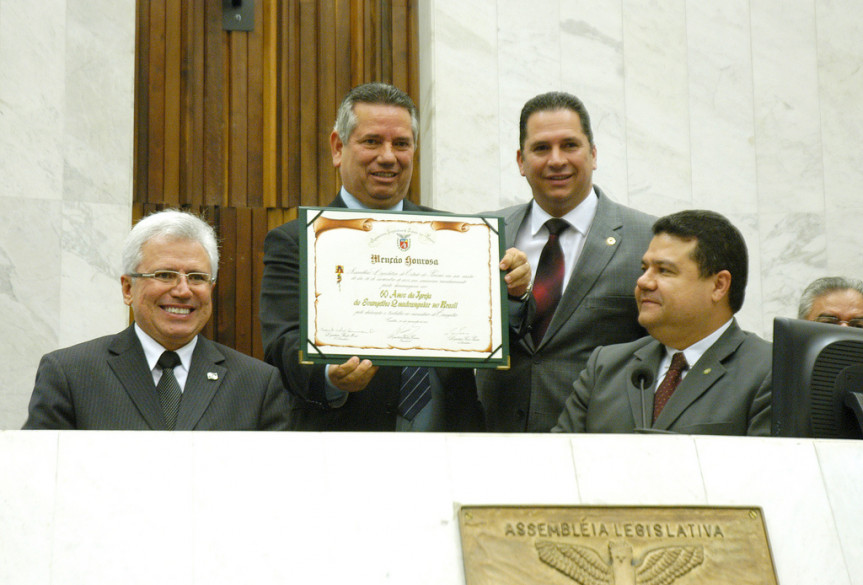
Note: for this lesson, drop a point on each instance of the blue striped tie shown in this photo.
(415, 391)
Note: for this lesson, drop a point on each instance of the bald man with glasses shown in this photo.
(160, 373)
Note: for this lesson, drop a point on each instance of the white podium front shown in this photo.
(323, 508)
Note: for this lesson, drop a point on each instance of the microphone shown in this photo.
(643, 379)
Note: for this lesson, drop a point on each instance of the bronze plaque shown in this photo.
(594, 545)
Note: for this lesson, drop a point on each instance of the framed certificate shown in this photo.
(402, 288)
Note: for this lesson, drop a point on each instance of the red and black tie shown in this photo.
(548, 284)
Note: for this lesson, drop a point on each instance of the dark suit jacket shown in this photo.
(105, 384)
(597, 308)
(371, 409)
(727, 392)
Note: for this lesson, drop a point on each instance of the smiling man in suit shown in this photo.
(714, 378)
(585, 270)
(160, 374)
(372, 144)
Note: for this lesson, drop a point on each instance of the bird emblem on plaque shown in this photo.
(585, 566)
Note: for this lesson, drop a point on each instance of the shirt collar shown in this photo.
(694, 352)
(153, 349)
(579, 218)
(352, 202)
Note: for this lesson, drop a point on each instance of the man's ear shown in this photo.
(126, 284)
(520, 160)
(336, 147)
(721, 285)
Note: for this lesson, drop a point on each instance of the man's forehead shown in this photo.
(845, 298)
(666, 248)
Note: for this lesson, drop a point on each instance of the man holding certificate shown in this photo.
(373, 145)
(586, 252)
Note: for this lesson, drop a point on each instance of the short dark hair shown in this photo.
(372, 93)
(553, 100)
(719, 246)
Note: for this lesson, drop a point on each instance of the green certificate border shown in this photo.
(312, 354)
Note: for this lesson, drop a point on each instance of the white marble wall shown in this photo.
(748, 107)
(66, 113)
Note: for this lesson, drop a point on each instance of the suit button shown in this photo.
(389, 407)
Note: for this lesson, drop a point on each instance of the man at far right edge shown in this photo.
(697, 372)
(833, 299)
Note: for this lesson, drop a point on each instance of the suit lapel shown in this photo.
(701, 377)
(601, 243)
(206, 375)
(129, 364)
(513, 223)
(641, 401)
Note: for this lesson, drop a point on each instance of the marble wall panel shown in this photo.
(591, 47)
(111, 485)
(665, 469)
(840, 86)
(66, 112)
(98, 95)
(657, 105)
(28, 488)
(32, 69)
(841, 464)
(720, 94)
(91, 300)
(462, 161)
(30, 277)
(740, 471)
(485, 474)
(793, 250)
(787, 133)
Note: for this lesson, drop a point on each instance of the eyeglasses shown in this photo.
(172, 277)
(856, 322)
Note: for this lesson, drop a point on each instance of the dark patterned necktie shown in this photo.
(548, 284)
(415, 391)
(168, 388)
(669, 384)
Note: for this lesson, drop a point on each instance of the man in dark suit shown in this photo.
(713, 377)
(372, 144)
(160, 374)
(599, 247)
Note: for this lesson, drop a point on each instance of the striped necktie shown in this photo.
(415, 391)
(168, 388)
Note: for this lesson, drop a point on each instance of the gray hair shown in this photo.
(823, 286)
(372, 93)
(174, 225)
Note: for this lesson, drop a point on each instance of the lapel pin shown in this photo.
(212, 376)
(707, 370)
(610, 240)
